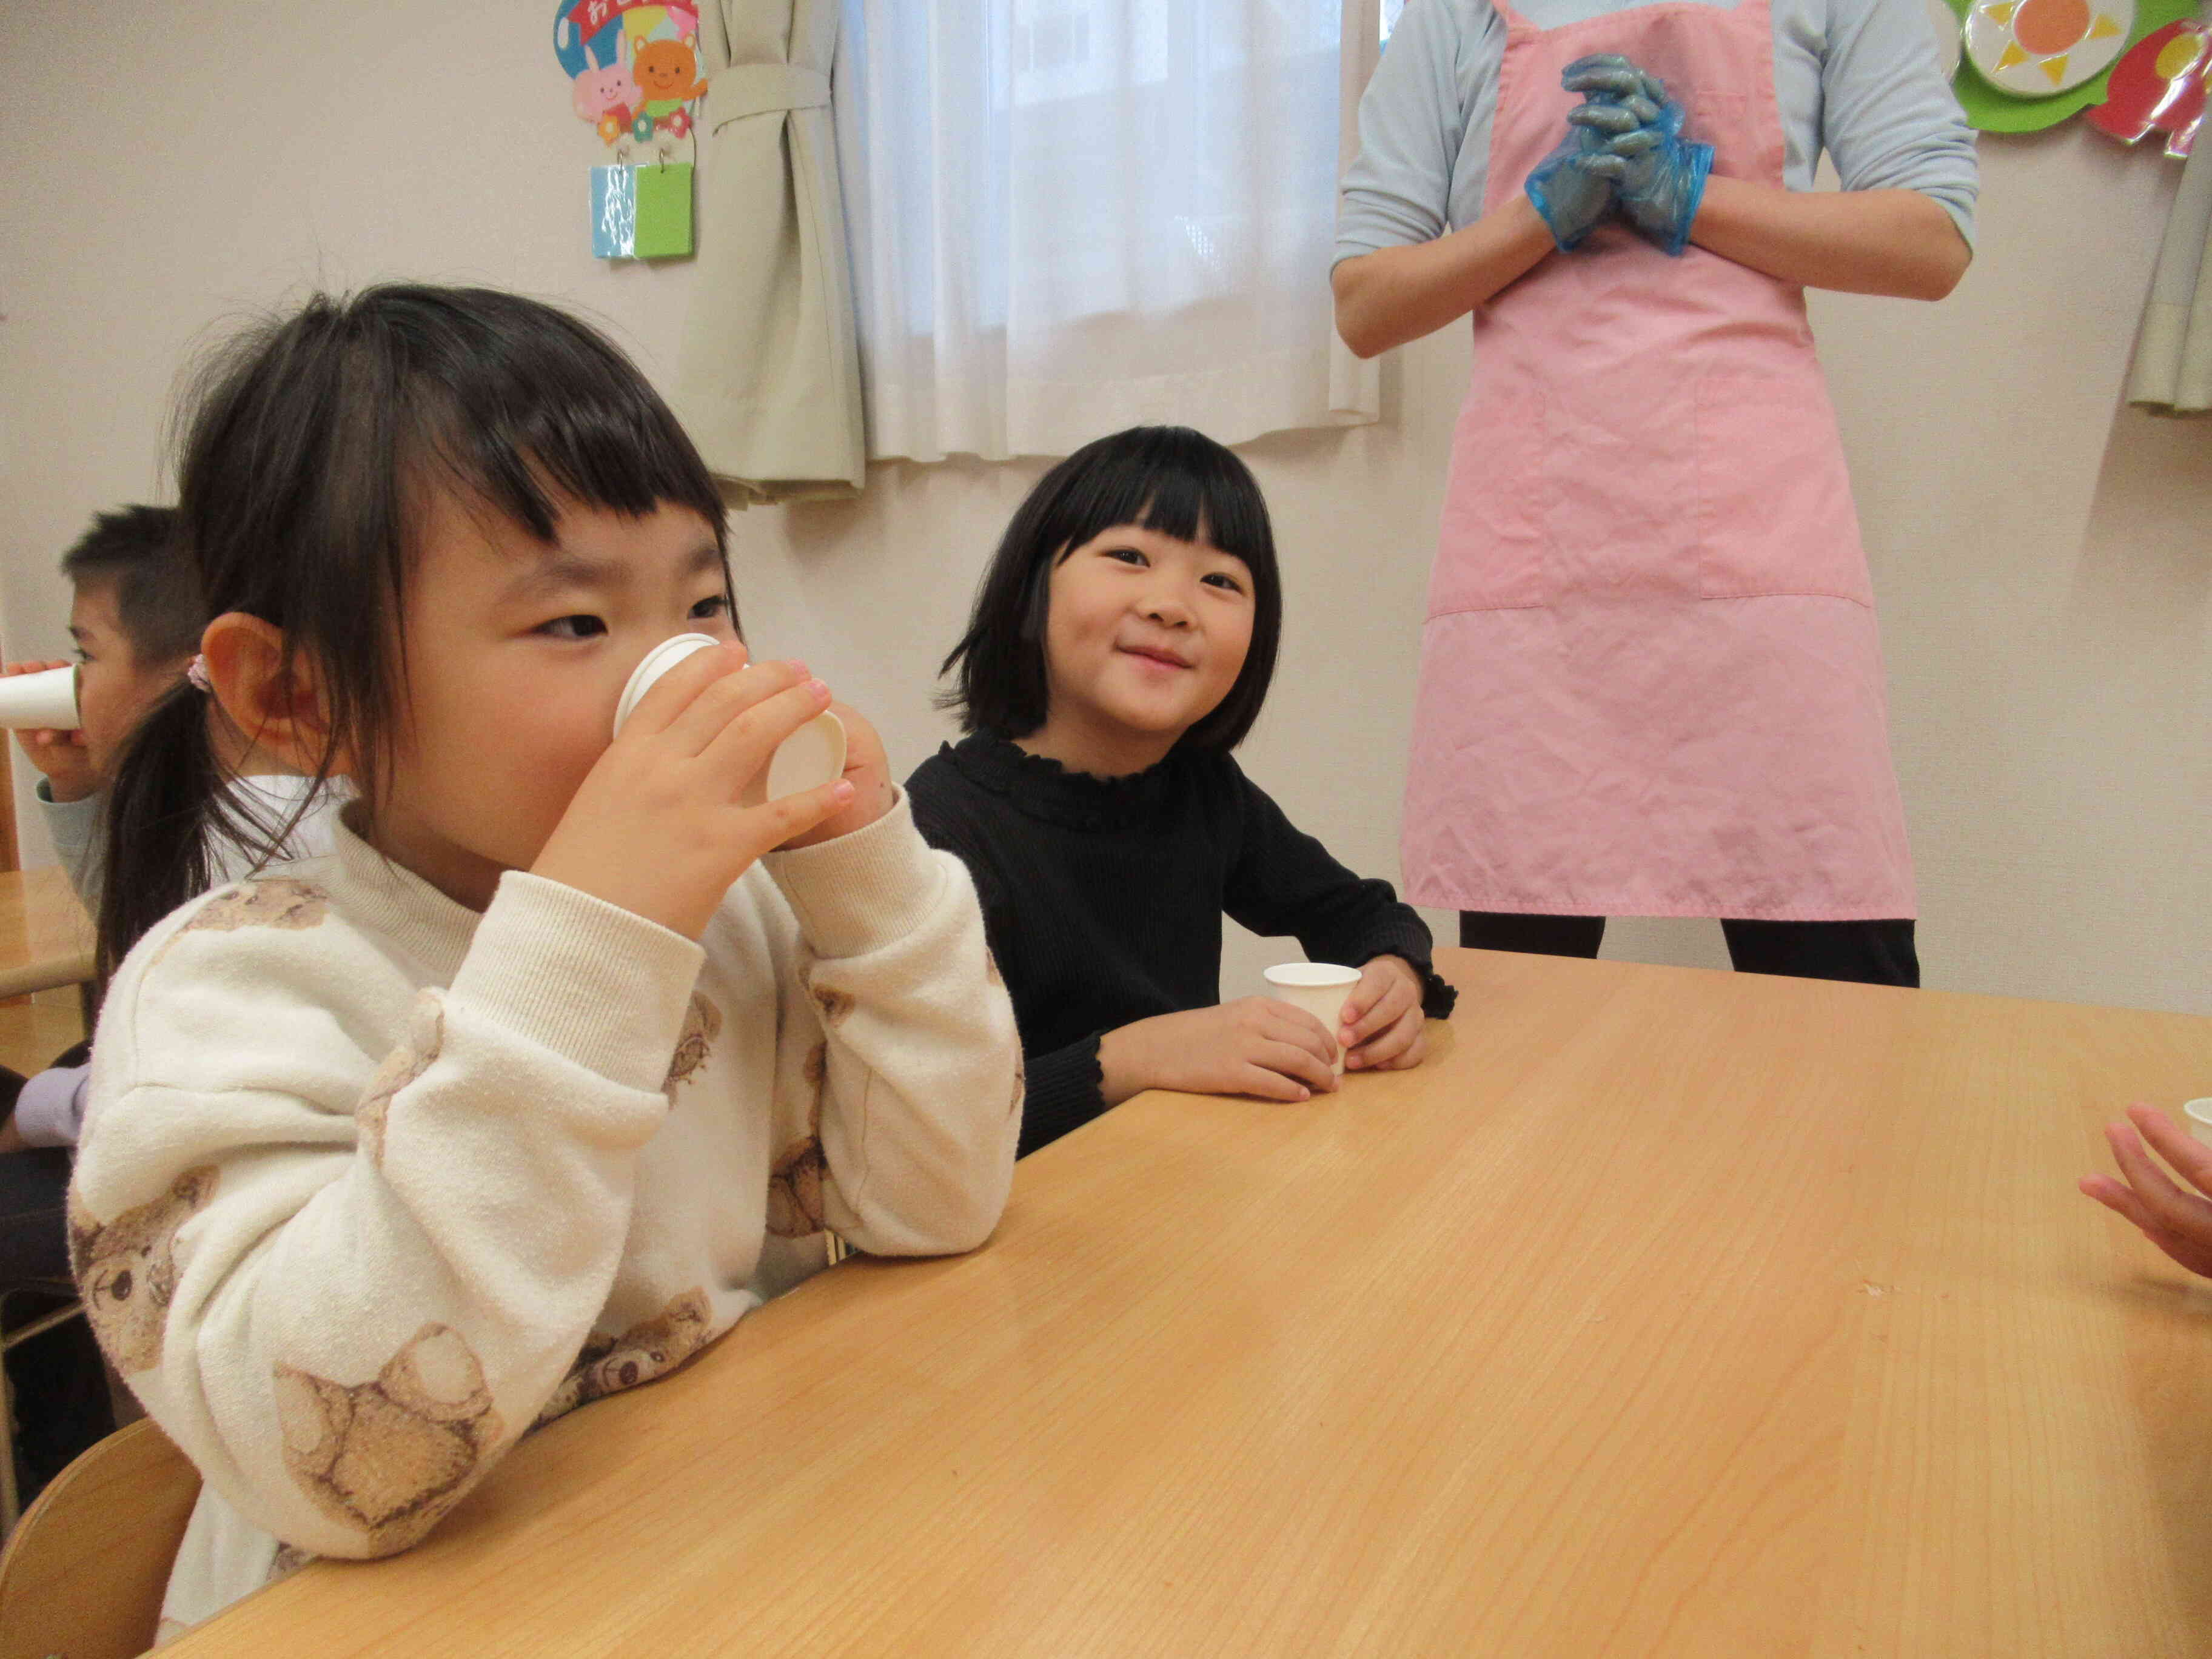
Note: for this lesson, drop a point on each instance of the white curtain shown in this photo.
(2172, 371)
(1068, 216)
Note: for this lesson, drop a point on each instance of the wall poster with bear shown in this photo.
(633, 70)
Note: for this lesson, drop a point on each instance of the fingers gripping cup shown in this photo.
(811, 757)
(44, 702)
(1320, 989)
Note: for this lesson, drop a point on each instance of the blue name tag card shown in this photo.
(641, 213)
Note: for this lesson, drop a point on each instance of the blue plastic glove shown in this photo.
(1569, 196)
(1608, 75)
(1658, 177)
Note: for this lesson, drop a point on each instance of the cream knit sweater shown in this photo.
(372, 1184)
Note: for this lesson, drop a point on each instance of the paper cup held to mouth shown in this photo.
(1319, 988)
(44, 702)
(811, 757)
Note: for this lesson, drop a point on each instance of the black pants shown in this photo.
(60, 1387)
(1866, 952)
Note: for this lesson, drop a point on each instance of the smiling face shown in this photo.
(1144, 635)
(516, 655)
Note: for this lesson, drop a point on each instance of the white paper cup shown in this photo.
(811, 757)
(45, 700)
(2197, 1113)
(1320, 989)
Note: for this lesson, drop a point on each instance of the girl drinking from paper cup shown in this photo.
(1121, 647)
(566, 1057)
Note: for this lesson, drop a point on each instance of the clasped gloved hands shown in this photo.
(1624, 151)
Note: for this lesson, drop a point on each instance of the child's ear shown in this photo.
(279, 709)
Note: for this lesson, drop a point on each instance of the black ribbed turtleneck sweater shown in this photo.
(1102, 898)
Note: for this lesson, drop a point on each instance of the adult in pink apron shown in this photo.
(1651, 682)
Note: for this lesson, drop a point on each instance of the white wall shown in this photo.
(2044, 570)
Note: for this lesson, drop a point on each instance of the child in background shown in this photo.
(136, 616)
(1121, 647)
(563, 1059)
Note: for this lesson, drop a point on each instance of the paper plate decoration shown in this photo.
(2160, 87)
(2033, 48)
(633, 70)
(2030, 96)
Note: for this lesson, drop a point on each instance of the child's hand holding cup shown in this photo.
(38, 700)
(812, 756)
(1372, 1014)
(679, 805)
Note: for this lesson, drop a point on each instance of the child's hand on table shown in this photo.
(2177, 1220)
(1253, 1046)
(868, 769)
(1382, 1027)
(60, 755)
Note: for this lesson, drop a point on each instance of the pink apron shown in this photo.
(1650, 679)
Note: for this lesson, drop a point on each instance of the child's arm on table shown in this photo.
(1284, 882)
(919, 1060)
(2178, 1221)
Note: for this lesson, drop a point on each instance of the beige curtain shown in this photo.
(2173, 372)
(769, 383)
(1355, 386)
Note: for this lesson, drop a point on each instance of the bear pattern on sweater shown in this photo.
(388, 1457)
(703, 1024)
(426, 1032)
(126, 1268)
(280, 902)
(648, 1350)
(835, 1005)
(794, 1181)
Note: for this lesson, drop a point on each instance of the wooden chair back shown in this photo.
(84, 1570)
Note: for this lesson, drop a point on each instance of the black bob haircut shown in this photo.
(308, 448)
(157, 597)
(1165, 478)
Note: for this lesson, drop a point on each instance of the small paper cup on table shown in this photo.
(811, 757)
(44, 702)
(1319, 988)
(2197, 1113)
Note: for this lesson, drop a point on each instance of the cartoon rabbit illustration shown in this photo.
(607, 96)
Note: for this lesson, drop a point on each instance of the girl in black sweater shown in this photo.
(1121, 647)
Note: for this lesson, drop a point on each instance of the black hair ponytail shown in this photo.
(154, 838)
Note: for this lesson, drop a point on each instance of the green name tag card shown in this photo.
(641, 213)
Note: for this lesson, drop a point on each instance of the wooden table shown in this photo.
(45, 938)
(1661, 1312)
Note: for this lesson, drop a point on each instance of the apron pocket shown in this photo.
(1774, 501)
(1491, 545)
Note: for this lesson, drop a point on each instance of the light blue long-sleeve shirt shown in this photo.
(1858, 78)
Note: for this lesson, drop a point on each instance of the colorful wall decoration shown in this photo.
(633, 81)
(2159, 86)
(2030, 63)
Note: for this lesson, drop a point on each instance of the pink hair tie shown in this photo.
(196, 671)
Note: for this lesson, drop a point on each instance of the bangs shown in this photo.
(1175, 482)
(526, 407)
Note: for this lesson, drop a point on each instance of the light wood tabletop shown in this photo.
(45, 937)
(1663, 1312)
